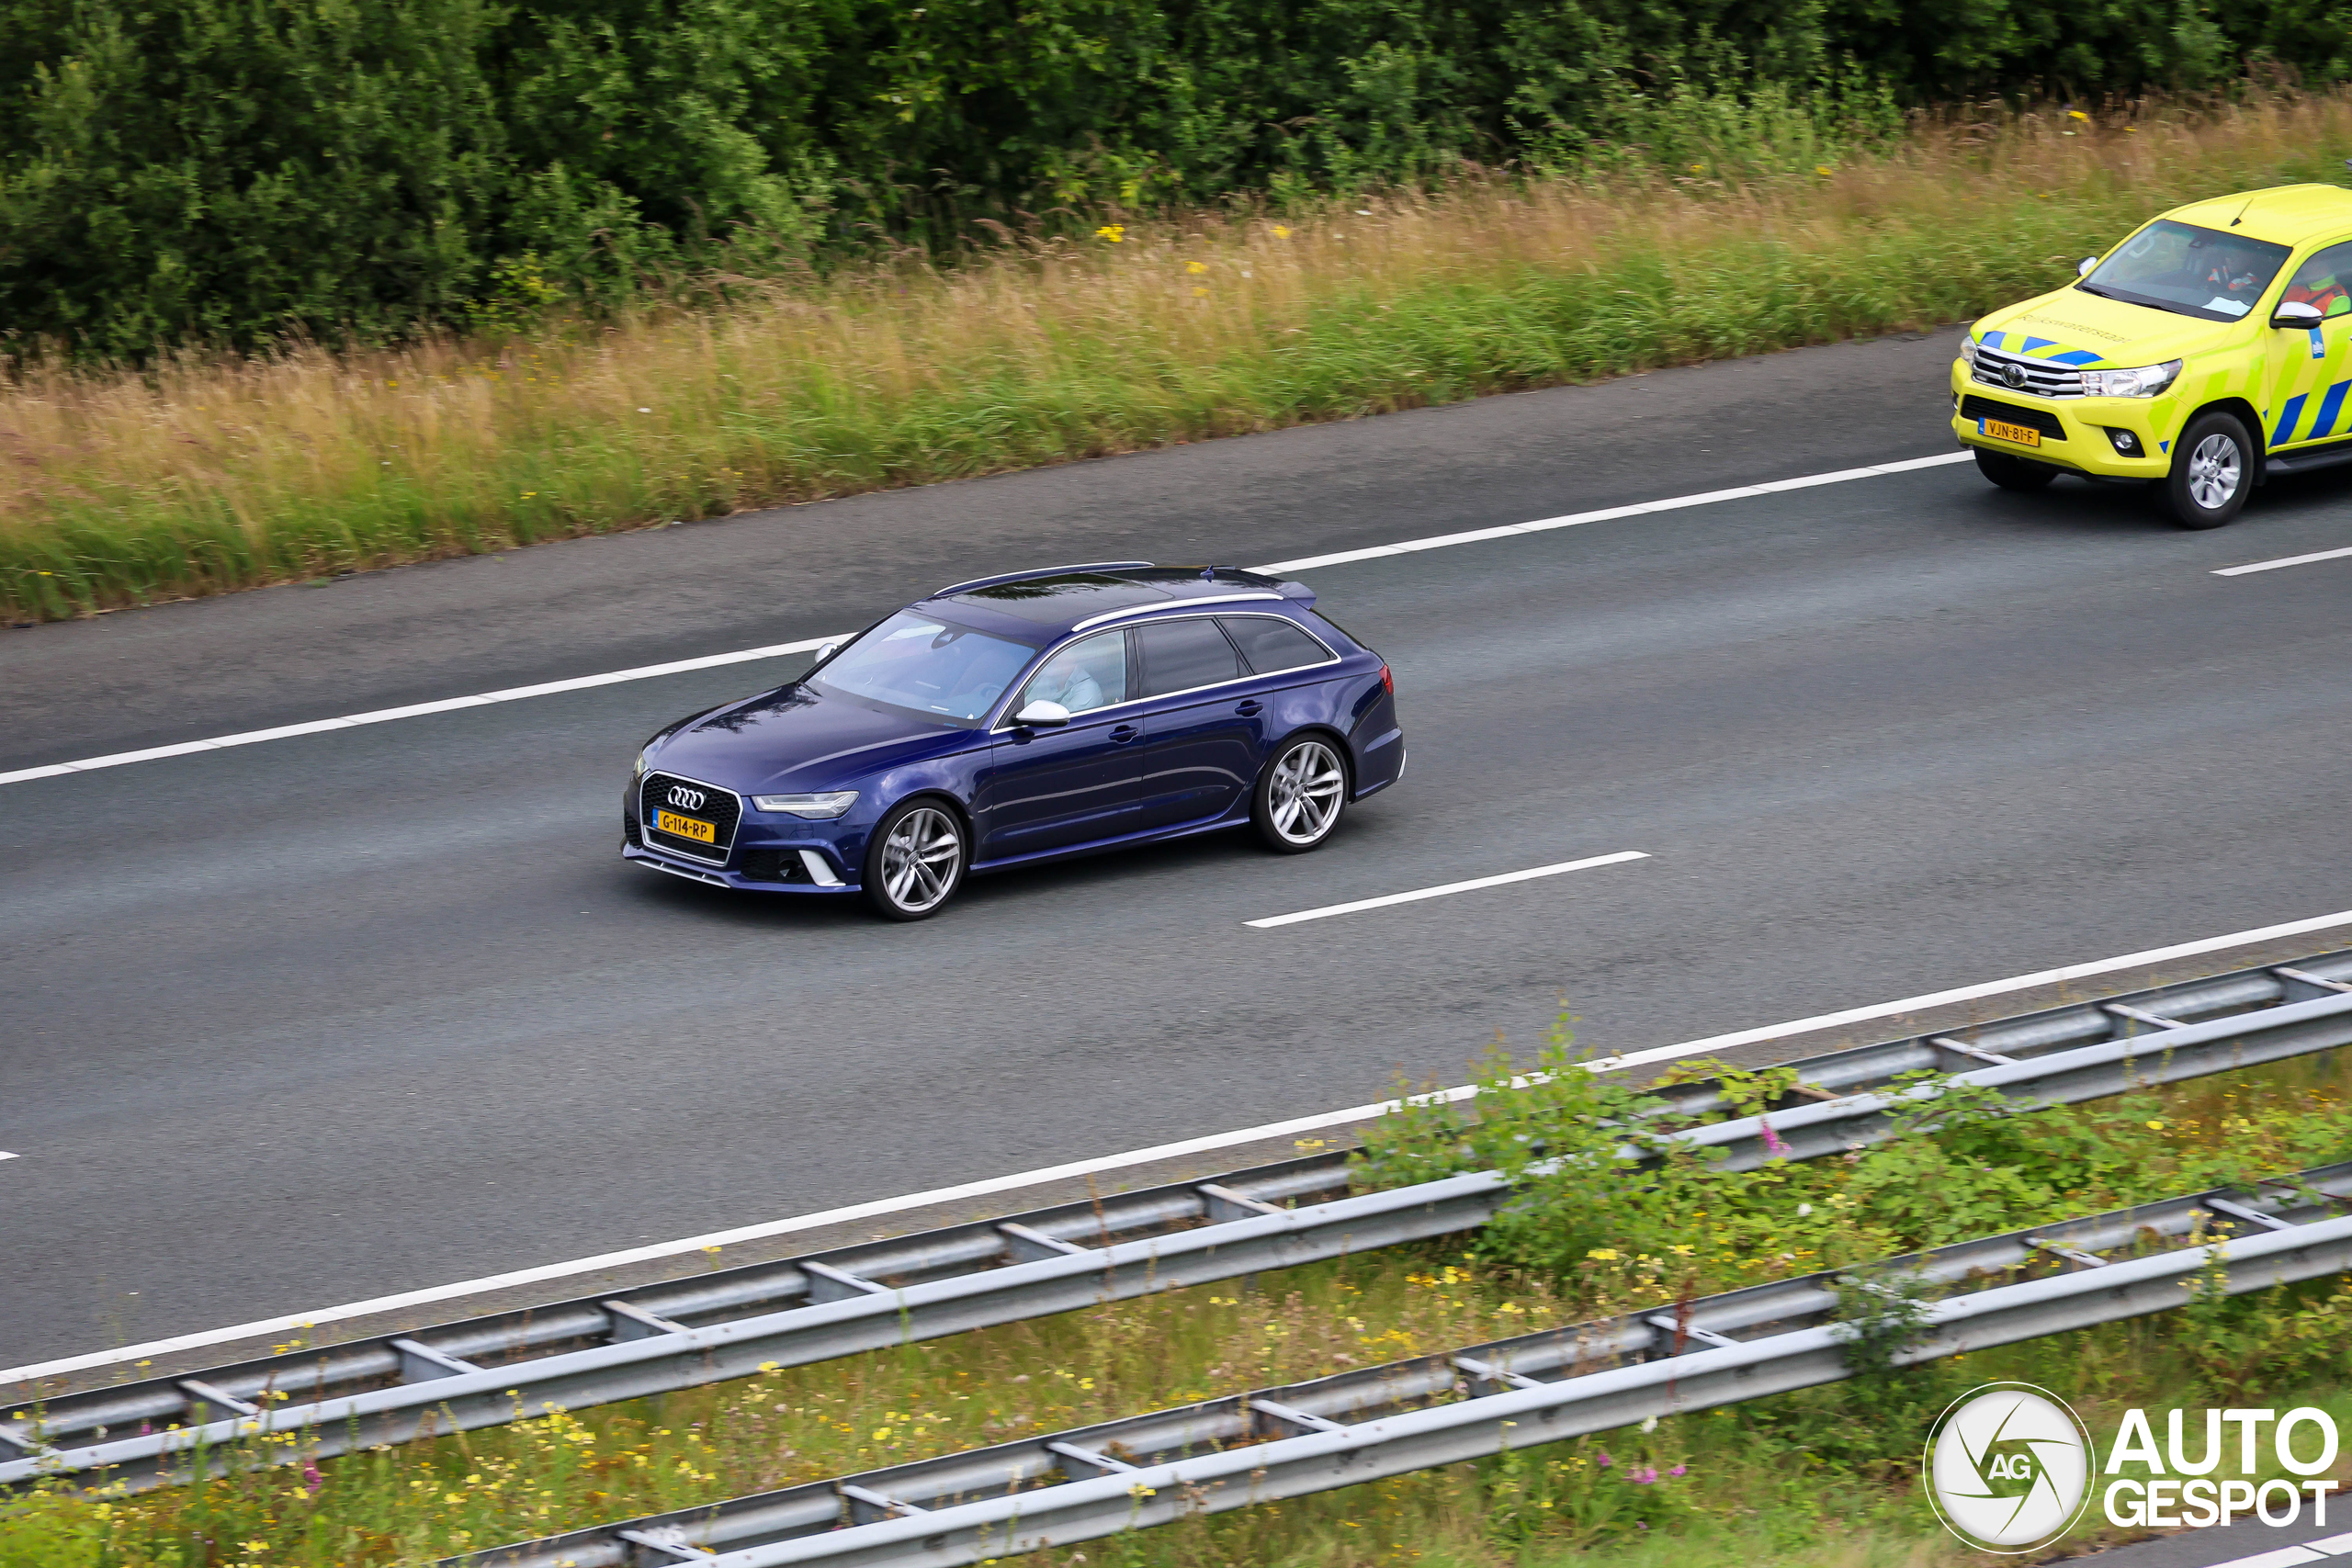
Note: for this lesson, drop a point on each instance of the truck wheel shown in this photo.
(2212, 469)
(2013, 473)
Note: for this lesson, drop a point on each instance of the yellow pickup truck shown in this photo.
(2203, 354)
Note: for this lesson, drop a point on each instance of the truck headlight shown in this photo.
(2145, 382)
(833, 803)
(1968, 348)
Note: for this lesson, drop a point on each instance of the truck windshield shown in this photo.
(936, 667)
(2206, 273)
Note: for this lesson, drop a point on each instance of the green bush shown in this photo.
(208, 171)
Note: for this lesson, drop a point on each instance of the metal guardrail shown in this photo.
(662, 1338)
(1358, 1426)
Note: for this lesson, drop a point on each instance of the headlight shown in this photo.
(2145, 382)
(1968, 348)
(640, 765)
(832, 804)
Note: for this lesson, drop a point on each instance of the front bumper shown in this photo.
(2076, 432)
(768, 855)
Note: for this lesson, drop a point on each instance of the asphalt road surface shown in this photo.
(358, 1012)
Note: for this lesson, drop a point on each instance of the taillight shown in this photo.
(1387, 681)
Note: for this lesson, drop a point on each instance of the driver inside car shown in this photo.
(1066, 679)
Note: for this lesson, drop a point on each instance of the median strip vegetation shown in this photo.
(1824, 1472)
(200, 472)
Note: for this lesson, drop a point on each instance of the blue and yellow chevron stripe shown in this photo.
(2018, 343)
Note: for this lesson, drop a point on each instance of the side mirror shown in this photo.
(2083, 267)
(1043, 715)
(828, 651)
(2296, 316)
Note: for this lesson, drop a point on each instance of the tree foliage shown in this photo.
(229, 170)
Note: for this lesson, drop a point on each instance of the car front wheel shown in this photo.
(2212, 469)
(916, 860)
(1300, 795)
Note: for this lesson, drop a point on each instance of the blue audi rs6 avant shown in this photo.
(1023, 718)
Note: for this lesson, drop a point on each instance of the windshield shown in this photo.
(2205, 273)
(934, 667)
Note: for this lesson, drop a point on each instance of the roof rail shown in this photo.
(1037, 571)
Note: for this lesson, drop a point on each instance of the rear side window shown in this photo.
(1181, 654)
(1271, 645)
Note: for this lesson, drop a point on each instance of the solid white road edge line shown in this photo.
(2284, 560)
(1418, 894)
(993, 1185)
(415, 710)
(1578, 519)
(648, 671)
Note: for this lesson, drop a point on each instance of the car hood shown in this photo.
(799, 739)
(2070, 327)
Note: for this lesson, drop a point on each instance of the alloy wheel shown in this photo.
(1304, 796)
(920, 859)
(2213, 472)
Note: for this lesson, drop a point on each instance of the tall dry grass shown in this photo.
(206, 473)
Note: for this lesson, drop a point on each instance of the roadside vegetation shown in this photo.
(1821, 1477)
(199, 472)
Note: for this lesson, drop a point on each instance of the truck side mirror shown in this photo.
(2296, 316)
(2084, 267)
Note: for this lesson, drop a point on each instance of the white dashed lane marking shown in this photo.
(1387, 899)
(651, 671)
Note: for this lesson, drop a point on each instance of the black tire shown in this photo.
(915, 859)
(2212, 470)
(1300, 793)
(2013, 473)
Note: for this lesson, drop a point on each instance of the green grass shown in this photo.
(205, 474)
(1823, 1475)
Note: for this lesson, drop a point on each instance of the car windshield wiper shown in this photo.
(2137, 299)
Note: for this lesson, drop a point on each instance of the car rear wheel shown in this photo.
(916, 860)
(2212, 469)
(2013, 473)
(1300, 795)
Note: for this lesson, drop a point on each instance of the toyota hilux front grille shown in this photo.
(695, 801)
(2039, 377)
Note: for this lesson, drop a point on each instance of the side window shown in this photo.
(1181, 654)
(1089, 674)
(1272, 645)
(2325, 281)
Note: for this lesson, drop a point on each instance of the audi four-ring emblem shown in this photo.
(691, 800)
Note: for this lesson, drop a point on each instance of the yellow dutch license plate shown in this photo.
(686, 827)
(2023, 435)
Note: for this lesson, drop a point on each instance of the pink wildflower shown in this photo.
(1775, 1146)
(1679, 1471)
(1605, 1461)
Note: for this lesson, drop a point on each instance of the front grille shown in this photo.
(719, 808)
(2043, 419)
(774, 865)
(2043, 379)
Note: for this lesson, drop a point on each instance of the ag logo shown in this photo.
(2009, 1467)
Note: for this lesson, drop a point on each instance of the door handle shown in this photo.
(1124, 734)
(1251, 708)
